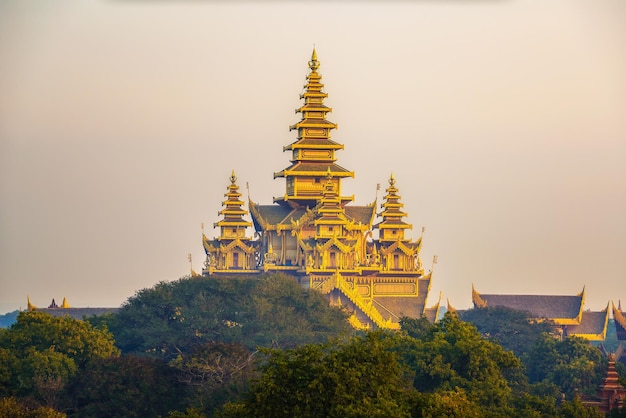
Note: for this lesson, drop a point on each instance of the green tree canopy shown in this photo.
(270, 311)
(39, 353)
(451, 356)
(355, 379)
(126, 386)
(215, 373)
(514, 330)
(572, 364)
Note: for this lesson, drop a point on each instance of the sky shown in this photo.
(503, 122)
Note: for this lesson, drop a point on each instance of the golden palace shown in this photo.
(314, 234)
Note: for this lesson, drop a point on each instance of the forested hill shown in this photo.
(270, 311)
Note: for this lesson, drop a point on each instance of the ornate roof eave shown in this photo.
(384, 225)
(579, 317)
(304, 124)
(449, 306)
(328, 145)
(334, 241)
(285, 173)
(619, 316)
(477, 300)
(436, 306)
(237, 243)
(256, 215)
(401, 245)
(30, 306)
(314, 107)
(232, 223)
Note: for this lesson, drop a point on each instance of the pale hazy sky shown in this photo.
(504, 123)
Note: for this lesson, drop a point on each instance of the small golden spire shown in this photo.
(314, 64)
(65, 305)
(29, 306)
(233, 177)
(392, 179)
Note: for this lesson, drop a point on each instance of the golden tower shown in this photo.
(313, 233)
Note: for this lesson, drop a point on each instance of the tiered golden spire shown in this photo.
(330, 211)
(232, 225)
(313, 153)
(392, 226)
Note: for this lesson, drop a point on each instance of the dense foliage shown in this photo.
(271, 311)
(125, 386)
(514, 330)
(40, 353)
(241, 347)
(445, 369)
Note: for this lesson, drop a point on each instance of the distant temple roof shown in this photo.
(593, 326)
(65, 310)
(561, 309)
(565, 311)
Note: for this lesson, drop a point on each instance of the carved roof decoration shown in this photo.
(620, 322)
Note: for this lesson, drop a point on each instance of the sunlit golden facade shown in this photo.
(313, 233)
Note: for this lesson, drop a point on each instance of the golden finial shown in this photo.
(65, 305)
(29, 306)
(314, 64)
(392, 180)
(233, 178)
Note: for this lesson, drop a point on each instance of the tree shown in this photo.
(359, 378)
(270, 311)
(572, 364)
(452, 355)
(11, 407)
(216, 373)
(40, 353)
(513, 330)
(126, 386)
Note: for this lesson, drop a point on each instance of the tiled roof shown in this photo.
(431, 314)
(317, 167)
(591, 323)
(398, 307)
(540, 306)
(316, 142)
(273, 214)
(295, 215)
(361, 214)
